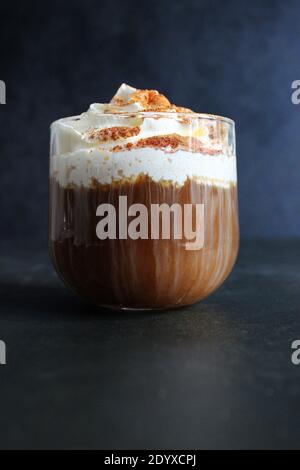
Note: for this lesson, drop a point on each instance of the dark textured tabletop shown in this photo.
(214, 375)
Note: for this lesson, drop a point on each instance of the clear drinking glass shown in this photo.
(151, 224)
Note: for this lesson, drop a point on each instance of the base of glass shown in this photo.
(119, 308)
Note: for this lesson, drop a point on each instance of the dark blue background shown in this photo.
(234, 58)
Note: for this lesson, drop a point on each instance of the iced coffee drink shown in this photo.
(143, 202)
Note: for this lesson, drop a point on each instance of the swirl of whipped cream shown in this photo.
(141, 132)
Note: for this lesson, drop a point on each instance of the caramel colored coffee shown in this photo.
(143, 273)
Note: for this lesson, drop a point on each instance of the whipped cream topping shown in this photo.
(141, 132)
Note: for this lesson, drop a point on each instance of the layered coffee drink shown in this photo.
(143, 202)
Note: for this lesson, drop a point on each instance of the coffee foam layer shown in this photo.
(83, 166)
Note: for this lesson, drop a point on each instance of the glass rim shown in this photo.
(209, 117)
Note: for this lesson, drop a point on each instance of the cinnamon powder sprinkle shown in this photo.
(161, 141)
(172, 142)
(152, 101)
(113, 133)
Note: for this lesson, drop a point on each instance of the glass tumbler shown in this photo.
(148, 220)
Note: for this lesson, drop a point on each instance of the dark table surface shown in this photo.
(214, 375)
